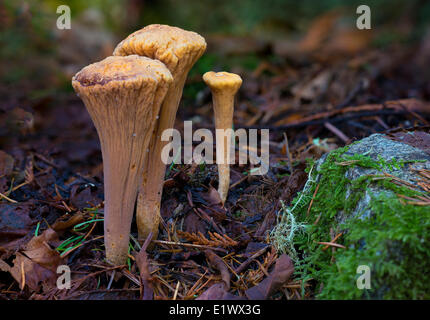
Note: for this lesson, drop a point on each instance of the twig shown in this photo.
(317, 219)
(143, 265)
(336, 131)
(65, 254)
(41, 157)
(332, 244)
(189, 245)
(190, 292)
(333, 240)
(130, 276)
(111, 279)
(312, 200)
(7, 198)
(238, 182)
(176, 291)
(244, 264)
(287, 150)
(168, 286)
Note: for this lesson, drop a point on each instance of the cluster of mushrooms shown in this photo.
(132, 97)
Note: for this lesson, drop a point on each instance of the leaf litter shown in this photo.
(51, 179)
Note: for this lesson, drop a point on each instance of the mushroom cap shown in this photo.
(178, 49)
(121, 72)
(222, 81)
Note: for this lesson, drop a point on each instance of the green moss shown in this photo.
(393, 241)
(397, 251)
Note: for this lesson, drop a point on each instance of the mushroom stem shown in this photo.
(223, 110)
(178, 50)
(150, 191)
(224, 87)
(123, 96)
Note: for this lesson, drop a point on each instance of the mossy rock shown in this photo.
(375, 193)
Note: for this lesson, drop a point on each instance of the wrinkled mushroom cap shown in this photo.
(222, 81)
(178, 49)
(123, 96)
(114, 72)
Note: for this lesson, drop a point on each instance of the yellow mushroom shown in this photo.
(178, 50)
(224, 86)
(123, 96)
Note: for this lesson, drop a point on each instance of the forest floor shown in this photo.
(51, 179)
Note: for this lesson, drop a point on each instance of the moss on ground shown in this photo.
(394, 241)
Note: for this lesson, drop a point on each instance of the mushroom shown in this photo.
(123, 96)
(178, 50)
(224, 86)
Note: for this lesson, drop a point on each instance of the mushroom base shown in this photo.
(147, 217)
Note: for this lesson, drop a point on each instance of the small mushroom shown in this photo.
(224, 86)
(178, 50)
(123, 96)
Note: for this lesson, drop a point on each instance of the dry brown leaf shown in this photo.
(218, 292)
(219, 264)
(60, 225)
(284, 268)
(15, 222)
(142, 262)
(37, 262)
(318, 31)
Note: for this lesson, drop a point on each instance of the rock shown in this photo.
(380, 148)
(374, 197)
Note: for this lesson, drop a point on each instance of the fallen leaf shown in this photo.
(284, 268)
(71, 221)
(15, 221)
(350, 41)
(83, 196)
(219, 264)
(6, 163)
(314, 88)
(193, 224)
(142, 262)
(218, 292)
(212, 196)
(4, 266)
(168, 208)
(6, 167)
(417, 139)
(318, 31)
(254, 247)
(20, 121)
(37, 262)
